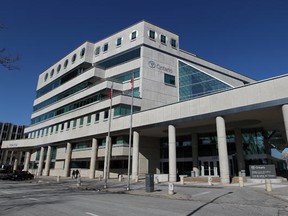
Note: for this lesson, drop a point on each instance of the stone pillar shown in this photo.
(48, 161)
(135, 156)
(41, 162)
(11, 158)
(2, 156)
(172, 153)
(107, 157)
(67, 160)
(5, 157)
(285, 118)
(195, 154)
(27, 160)
(93, 158)
(222, 150)
(15, 164)
(20, 157)
(239, 150)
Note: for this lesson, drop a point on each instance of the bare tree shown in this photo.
(7, 60)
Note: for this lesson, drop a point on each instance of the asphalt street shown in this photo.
(45, 196)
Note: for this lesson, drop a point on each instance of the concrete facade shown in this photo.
(172, 135)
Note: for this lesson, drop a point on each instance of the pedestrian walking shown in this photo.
(77, 173)
(73, 174)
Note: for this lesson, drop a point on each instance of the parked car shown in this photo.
(5, 174)
(21, 175)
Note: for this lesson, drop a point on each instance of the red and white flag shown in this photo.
(111, 91)
(132, 82)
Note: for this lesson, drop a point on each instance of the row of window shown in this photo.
(118, 43)
(69, 124)
(73, 59)
(118, 111)
(163, 38)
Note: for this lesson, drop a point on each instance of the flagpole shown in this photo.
(130, 131)
(107, 152)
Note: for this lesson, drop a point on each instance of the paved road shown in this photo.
(45, 199)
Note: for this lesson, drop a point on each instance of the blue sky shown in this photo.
(248, 36)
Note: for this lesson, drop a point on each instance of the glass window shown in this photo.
(74, 58)
(173, 43)
(97, 117)
(106, 114)
(81, 121)
(97, 50)
(82, 53)
(46, 77)
(68, 125)
(119, 41)
(59, 68)
(194, 82)
(169, 79)
(57, 127)
(74, 123)
(105, 47)
(62, 126)
(52, 127)
(65, 63)
(152, 35)
(163, 39)
(89, 119)
(133, 35)
(52, 73)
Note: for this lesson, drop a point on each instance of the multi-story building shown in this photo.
(188, 113)
(9, 131)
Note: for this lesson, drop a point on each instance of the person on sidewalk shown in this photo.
(73, 174)
(77, 173)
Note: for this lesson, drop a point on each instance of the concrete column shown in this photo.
(135, 156)
(172, 153)
(5, 157)
(41, 162)
(107, 157)
(93, 158)
(2, 156)
(67, 160)
(222, 150)
(20, 157)
(11, 158)
(239, 150)
(27, 160)
(285, 118)
(195, 154)
(15, 164)
(48, 161)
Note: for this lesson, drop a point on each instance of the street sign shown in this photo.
(262, 171)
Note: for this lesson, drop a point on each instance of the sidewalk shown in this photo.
(196, 191)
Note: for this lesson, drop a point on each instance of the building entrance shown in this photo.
(209, 167)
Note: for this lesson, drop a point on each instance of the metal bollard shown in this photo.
(241, 182)
(136, 178)
(268, 185)
(78, 181)
(156, 180)
(120, 178)
(170, 189)
(210, 181)
(100, 178)
(58, 178)
(182, 180)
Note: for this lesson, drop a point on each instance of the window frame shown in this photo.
(163, 39)
(105, 47)
(150, 35)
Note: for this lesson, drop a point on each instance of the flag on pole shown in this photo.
(132, 82)
(111, 91)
